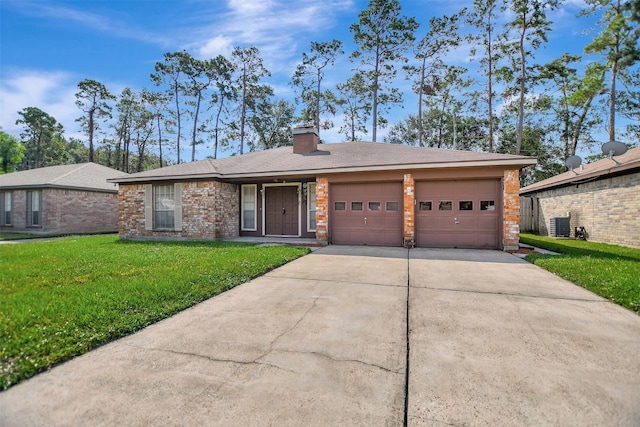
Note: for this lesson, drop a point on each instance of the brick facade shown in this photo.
(511, 210)
(210, 210)
(609, 209)
(409, 211)
(322, 209)
(66, 211)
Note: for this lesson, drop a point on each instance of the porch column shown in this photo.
(409, 211)
(322, 209)
(511, 210)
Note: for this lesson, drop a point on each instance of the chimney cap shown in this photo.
(307, 128)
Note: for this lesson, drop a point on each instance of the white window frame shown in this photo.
(34, 197)
(243, 200)
(149, 212)
(311, 190)
(6, 204)
(164, 204)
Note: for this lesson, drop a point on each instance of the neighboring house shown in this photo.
(359, 193)
(65, 199)
(603, 197)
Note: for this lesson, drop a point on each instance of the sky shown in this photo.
(48, 46)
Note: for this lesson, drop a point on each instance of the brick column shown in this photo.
(409, 211)
(322, 209)
(511, 210)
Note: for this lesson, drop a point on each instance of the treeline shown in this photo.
(508, 103)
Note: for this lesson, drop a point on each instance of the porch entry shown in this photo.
(281, 211)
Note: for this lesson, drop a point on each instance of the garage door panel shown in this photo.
(378, 223)
(470, 219)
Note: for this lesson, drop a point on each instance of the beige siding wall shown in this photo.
(609, 209)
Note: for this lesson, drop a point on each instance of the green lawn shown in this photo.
(65, 297)
(610, 271)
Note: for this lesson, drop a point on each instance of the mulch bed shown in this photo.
(524, 251)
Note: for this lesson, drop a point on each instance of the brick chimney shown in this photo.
(305, 139)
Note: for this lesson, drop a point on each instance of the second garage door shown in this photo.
(458, 214)
(366, 214)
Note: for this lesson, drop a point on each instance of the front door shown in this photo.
(281, 211)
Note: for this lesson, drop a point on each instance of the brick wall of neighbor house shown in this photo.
(322, 209)
(511, 210)
(210, 210)
(68, 211)
(609, 209)
(75, 211)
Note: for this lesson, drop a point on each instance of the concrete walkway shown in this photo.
(322, 341)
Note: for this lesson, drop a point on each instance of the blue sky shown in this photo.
(47, 47)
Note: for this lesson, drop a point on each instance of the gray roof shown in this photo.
(629, 162)
(329, 158)
(84, 176)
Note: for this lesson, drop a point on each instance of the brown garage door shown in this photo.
(366, 214)
(458, 214)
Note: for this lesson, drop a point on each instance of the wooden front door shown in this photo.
(281, 211)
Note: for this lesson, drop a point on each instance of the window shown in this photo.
(392, 206)
(33, 209)
(466, 205)
(374, 206)
(311, 206)
(445, 206)
(5, 208)
(249, 211)
(487, 205)
(340, 206)
(356, 206)
(424, 206)
(163, 207)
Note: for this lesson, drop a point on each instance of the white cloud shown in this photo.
(219, 45)
(52, 92)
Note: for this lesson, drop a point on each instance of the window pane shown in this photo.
(340, 206)
(487, 205)
(374, 206)
(392, 206)
(249, 193)
(163, 206)
(445, 206)
(466, 205)
(356, 206)
(311, 206)
(424, 206)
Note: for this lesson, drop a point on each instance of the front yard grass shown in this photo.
(610, 271)
(65, 297)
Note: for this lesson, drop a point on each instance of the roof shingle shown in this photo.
(601, 168)
(330, 158)
(88, 176)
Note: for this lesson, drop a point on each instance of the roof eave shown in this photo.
(518, 163)
(587, 177)
(58, 187)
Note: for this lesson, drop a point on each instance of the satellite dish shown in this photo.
(614, 148)
(573, 162)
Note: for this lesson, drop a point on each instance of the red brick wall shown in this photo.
(67, 212)
(210, 210)
(511, 210)
(409, 210)
(322, 209)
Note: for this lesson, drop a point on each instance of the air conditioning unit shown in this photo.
(560, 227)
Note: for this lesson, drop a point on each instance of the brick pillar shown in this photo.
(511, 210)
(409, 211)
(322, 209)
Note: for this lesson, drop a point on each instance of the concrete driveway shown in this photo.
(491, 340)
